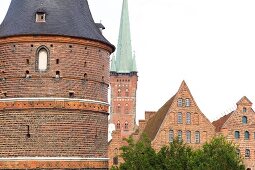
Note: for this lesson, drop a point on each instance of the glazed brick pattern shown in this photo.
(53, 133)
(76, 58)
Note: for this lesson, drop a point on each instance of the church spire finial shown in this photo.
(124, 58)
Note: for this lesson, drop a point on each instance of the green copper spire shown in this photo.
(113, 64)
(124, 62)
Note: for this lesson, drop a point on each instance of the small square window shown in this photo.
(40, 17)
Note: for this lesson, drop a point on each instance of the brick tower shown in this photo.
(123, 80)
(54, 65)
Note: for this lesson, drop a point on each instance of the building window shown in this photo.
(171, 136)
(244, 109)
(57, 75)
(126, 108)
(126, 125)
(42, 60)
(119, 92)
(238, 152)
(188, 137)
(127, 93)
(118, 125)
(71, 94)
(115, 160)
(179, 135)
(187, 101)
(244, 120)
(40, 17)
(237, 134)
(246, 135)
(197, 137)
(179, 103)
(179, 118)
(118, 108)
(188, 118)
(247, 153)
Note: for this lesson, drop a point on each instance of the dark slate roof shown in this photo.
(63, 17)
(152, 127)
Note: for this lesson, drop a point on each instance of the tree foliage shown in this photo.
(217, 154)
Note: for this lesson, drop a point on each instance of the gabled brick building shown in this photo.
(54, 79)
(239, 127)
(179, 117)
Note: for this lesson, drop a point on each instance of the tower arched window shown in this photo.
(119, 92)
(118, 125)
(118, 108)
(127, 93)
(244, 120)
(126, 125)
(126, 108)
(247, 153)
(237, 134)
(42, 59)
(244, 109)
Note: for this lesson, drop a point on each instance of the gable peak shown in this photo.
(244, 101)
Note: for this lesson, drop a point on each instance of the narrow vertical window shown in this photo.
(179, 135)
(244, 109)
(188, 118)
(119, 92)
(127, 93)
(126, 108)
(179, 102)
(179, 118)
(246, 135)
(188, 137)
(197, 137)
(118, 108)
(244, 120)
(118, 125)
(42, 59)
(126, 125)
(247, 153)
(238, 152)
(237, 134)
(171, 136)
(187, 101)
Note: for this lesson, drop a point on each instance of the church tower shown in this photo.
(123, 80)
(54, 79)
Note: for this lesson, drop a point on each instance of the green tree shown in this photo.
(217, 154)
(139, 156)
(176, 156)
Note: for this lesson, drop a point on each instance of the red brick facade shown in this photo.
(123, 111)
(58, 113)
(239, 127)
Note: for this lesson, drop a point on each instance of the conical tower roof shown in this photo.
(63, 17)
(124, 61)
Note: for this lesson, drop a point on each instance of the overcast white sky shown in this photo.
(209, 44)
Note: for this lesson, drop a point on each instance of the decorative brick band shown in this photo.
(55, 39)
(49, 163)
(53, 103)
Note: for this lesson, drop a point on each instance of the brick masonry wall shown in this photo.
(234, 123)
(53, 133)
(76, 58)
(127, 111)
(198, 122)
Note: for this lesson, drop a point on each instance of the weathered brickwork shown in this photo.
(123, 102)
(241, 121)
(45, 115)
(82, 64)
(172, 121)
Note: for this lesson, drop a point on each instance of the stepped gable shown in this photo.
(63, 17)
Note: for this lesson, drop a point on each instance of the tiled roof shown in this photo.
(154, 123)
(63, 17)
(220, 122)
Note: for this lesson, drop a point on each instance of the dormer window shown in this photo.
(40, 17)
